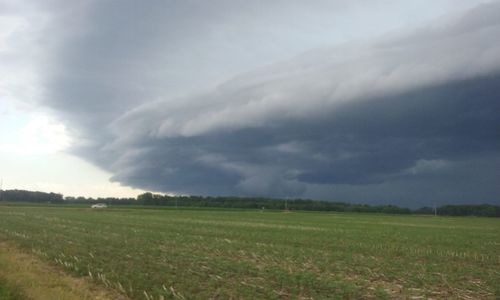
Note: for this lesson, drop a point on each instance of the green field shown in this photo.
(201, 254)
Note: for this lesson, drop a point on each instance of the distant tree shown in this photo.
(424, 211)
(483, 210)
(146, 198)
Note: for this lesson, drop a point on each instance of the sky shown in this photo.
(373, 102)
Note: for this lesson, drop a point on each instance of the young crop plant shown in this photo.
(202, 254)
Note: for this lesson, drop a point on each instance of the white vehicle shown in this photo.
(99, 205)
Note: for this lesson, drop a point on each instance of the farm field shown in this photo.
(202, 254)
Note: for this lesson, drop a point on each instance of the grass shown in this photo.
(8, 292)
(200, 254)
(24, 276)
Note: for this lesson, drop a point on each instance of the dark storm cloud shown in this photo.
(374, 121)
(426, 135)
(106, 57)
(453, 122)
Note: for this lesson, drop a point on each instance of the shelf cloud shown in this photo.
(410, 117)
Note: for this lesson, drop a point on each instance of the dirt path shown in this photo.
(37, 280)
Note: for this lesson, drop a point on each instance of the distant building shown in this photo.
(99, 205)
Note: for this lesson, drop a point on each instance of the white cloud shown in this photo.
(38, 135)
(61, 173)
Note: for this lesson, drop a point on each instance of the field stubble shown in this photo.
(186, 254)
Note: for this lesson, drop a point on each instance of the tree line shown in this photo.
(29, 196)
(150, 199)
(264, 203)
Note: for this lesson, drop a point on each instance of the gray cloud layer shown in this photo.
(409, 118)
